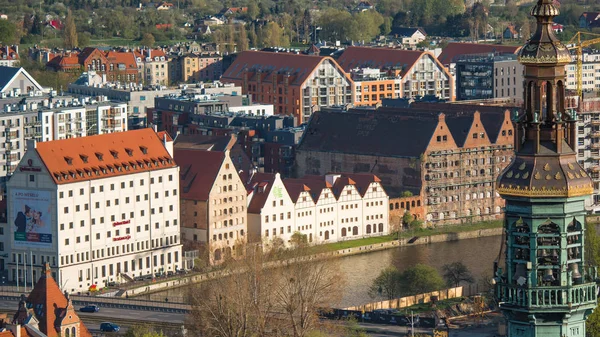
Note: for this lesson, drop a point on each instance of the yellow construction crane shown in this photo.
(578, 44)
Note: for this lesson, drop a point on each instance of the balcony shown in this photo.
(549, 298)
(108, 117)
(595, 134)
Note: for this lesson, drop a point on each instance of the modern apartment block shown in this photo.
(485, 76)
(295, 84)
(98, 209)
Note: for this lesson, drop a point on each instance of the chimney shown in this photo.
(331, 178)
(16, 48)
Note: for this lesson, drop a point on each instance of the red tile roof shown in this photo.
(261, 183)
(299, 66)
(48, 303)
(164, 134)
(454, 49)
(316, 184)
(362, 181)
(143, 53)
(126, 58)
(379, 58)
(101, 156)
(198, 171)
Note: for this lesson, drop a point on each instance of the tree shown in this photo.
(8, 32)
(407, 218)
(416, 225)
(241, 38)
(257, 301)
(299, 240)
(143, 331)
(148, 40)
(70, 32)
(420, 279)
(252, 10)
(37, 26)
(83, 39)
(386, 284)
(457, 272)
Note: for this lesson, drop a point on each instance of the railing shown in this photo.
(547, 297)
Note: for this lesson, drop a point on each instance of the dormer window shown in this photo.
(99, 156)
(129, 152)
(69, 160)
(84, 158)
(115, 154)
(144, 149)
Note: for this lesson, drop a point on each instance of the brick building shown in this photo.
(116, 65)
(450, 159)
(295, 84)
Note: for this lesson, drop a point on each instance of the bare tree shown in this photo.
(252, 300)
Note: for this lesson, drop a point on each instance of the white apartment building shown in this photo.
(326, 209)
(99, 209)
(45, 119)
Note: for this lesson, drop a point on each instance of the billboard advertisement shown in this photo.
(31, 217)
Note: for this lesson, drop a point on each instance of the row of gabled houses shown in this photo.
(223, 208)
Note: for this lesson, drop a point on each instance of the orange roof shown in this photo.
(143, 53)
(102, 156)
(378, 58)
(454, 49)
(48, 304)
(164, 134)
(6, 333)
(126, 58)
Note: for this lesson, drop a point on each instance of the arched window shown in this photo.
(368, 229)
(217, 254)
(343, 232)
(380, 227)
(418, 203)
(412, 204)
(73, 332)
(326, 235)
(67, 332)
(355, 230)
(397, 205)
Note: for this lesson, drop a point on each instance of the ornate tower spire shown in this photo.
(545, 190)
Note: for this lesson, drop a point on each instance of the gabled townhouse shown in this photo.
(153, 66)
(213, 203)
(295, 84)
(409, 36)
(305, 218)
(270, 210)
(418, 73)
(326, 210)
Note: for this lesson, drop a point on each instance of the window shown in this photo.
(31, 178)
(66, 210)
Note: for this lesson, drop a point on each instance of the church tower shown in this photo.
(543, 286)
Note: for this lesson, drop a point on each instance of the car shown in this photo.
(109, 327)
(90, 308)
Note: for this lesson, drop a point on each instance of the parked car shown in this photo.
(90, 308)
(109, 327)
(182, 271)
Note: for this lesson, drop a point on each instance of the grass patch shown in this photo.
(405, 234)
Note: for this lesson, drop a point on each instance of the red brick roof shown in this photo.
(454, 49)
(379, 58)
(101, 156)
(261, 183)
(299, 66)
(48, 304)
(361, 181)
(126, 58)
(198, 171)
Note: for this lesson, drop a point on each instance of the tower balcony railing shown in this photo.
(547, 297)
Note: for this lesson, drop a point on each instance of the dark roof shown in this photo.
(6, 74)
(294, 188)
(261, 183)
(380, 133)
(198, 170)
(379, 58)
(265, 64)
(491, 116)
(406, 31)
(315, 184)
(362, 181)
(454, 49)
(203, 142)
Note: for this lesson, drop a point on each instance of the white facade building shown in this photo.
(326, 209)
(99, 209)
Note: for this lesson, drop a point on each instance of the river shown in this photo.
(360, 270)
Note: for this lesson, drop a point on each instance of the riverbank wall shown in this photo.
(416, 240)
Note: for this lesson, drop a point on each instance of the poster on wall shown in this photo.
(31, 217)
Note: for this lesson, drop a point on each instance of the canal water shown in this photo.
(359, 271)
